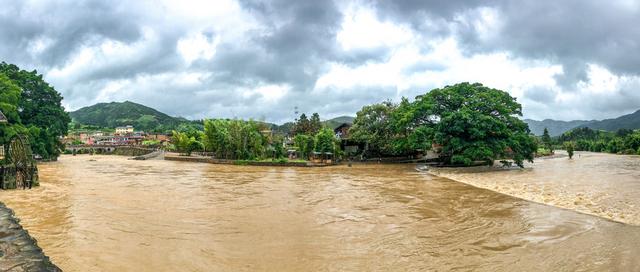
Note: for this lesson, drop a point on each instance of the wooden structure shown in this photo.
(18, 168)
(342, 131)
(3, 119)
(322, 157)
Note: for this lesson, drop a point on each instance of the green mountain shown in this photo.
(555, 127)
(124, 113)
(629, 121)
(335, 122)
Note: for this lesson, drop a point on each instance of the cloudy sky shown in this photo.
(571, 59)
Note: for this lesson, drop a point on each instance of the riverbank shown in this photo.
(18, 250)
(176, 157)
(598, 184)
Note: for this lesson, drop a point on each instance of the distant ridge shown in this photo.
(628, 121)
(334, 122)
(556, 128)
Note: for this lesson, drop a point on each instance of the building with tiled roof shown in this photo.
(3, 119)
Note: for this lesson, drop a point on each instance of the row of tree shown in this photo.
(235, 139)
(33, 108)
(467, 123)
(251, 140)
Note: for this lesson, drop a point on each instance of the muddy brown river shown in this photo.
(107, 213)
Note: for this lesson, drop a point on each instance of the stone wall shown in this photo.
(131, 151)
(18, 250)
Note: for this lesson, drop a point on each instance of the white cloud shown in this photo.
(224, 58)
(361, 29)
(498, 70)
(197, 47)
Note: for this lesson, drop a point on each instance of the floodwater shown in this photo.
(106, 213)
(601, 184)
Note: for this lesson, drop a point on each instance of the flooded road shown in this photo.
(106, 213)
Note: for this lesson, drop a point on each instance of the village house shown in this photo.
(3, 119)
(124, 130)
(342, 131)
(161, 138)
(349, 146)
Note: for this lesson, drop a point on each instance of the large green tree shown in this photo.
(307, 126)
(471, 123)
(235, 139)
(373, 126)
(9, 97)
(40, 110)
(325, 141)
(304, 144)
(546, 140)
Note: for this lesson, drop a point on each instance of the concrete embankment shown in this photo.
(18, 250)
(172, 157)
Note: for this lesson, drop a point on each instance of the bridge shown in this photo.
(95, 148)
(127, 150)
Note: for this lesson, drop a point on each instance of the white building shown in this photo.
(124, 130)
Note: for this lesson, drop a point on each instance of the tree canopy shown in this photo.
(546, 139)
(373, 126)
(38, 109)
(468, 123)
(307, 126)
(235, 139)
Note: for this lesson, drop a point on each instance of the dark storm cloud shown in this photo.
(68, 25)
(540, 95)
(295, 43)
(299, 41)
(574, 33)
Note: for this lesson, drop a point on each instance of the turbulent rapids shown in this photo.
(600, 184)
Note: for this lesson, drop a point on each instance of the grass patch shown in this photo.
(241, 162)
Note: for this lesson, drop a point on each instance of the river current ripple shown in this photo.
(107, 213)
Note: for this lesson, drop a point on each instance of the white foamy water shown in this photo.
(604, 185)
